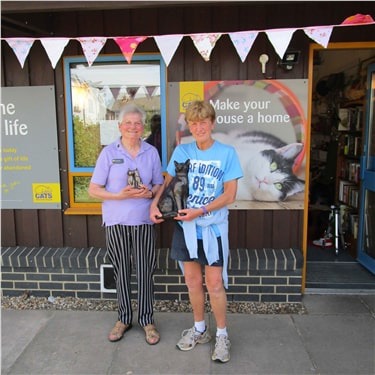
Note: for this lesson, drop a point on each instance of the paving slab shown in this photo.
(18, 330)
(265, 344)
(339, 344)
(369, 301)
(71, 342)
(335, 336)
(135, 356)
(335, 304)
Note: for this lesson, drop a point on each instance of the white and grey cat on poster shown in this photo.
(257, 123)
(267, 163)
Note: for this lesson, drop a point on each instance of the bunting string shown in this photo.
(168, 44)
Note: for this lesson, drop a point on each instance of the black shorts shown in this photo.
(180, 252)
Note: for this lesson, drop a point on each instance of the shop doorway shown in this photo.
(338, 114)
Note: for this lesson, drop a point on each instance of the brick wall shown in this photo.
(259, 275)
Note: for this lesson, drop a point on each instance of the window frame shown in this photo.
(94, 207)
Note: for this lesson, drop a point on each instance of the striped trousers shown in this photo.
(127, 245)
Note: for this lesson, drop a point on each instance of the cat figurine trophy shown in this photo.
(174, 197)
(134, 179)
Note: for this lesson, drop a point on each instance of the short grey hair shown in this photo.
(131, 108)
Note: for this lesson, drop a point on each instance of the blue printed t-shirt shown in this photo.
(111, 171)
(209, 170)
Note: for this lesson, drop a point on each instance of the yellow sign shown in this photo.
(190, 91)
(46, 193)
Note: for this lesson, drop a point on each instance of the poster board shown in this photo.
(274, 109)
(30, 176)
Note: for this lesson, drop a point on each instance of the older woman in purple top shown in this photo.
(126, 177)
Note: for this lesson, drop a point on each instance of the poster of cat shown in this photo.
(266, 123)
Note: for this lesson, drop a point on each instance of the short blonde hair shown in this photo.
(200, 110)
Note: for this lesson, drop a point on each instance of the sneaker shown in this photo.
(191, 337)
(323, 242)
(221, 351)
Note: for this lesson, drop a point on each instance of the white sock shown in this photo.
(221, 331)
(200, 326)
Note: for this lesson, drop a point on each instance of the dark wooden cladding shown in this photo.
(248, 228)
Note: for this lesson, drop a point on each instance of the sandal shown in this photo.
(118, 331)
(152, 334)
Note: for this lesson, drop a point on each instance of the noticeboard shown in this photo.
(29, 152)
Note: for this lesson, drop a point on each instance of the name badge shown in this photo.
(117, 161)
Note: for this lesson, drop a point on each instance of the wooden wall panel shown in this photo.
(50, 224)
(90, 23)
(281, 228)
(14, 74)
(40, 67)
(65, 24)
(27, 228)
(8, 228)
(238, 228)
(95, 231)
(170, 21)
(251, 229)
(75, 231)
(145, 21)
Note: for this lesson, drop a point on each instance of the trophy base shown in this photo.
(169, 215)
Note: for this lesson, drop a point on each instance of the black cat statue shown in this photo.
(174, 197)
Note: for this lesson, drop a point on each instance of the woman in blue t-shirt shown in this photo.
(200, 238)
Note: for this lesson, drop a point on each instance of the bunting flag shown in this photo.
(150, 90)
(205, 43)
(91, 47)
(21, 48)
(132, 91)
(320, 35)
(280, 39)
(243, 41)
(128, 45)
(358, 19)
(115, 91)
(168, 45)
(54, 48)
(107, 96)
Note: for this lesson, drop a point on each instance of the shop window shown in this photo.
(94, 95)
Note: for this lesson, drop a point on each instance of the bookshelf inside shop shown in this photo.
(351, 122)
(338, 122)
(336, 148)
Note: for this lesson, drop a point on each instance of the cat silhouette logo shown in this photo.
(188, 98)
(43, 193)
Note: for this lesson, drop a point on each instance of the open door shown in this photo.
(336, 148)
(366, 240)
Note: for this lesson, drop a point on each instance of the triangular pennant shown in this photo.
(128, 45)
(168, 45)
(358, 19)
(150, 90)
(115, 91)
(107, 95)
(54, 48)
(320, 34)
(132, 91)
(243, 41)
(21, 47)
(280, 39)
(91, 47)
(205, 43)
(122, 94)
